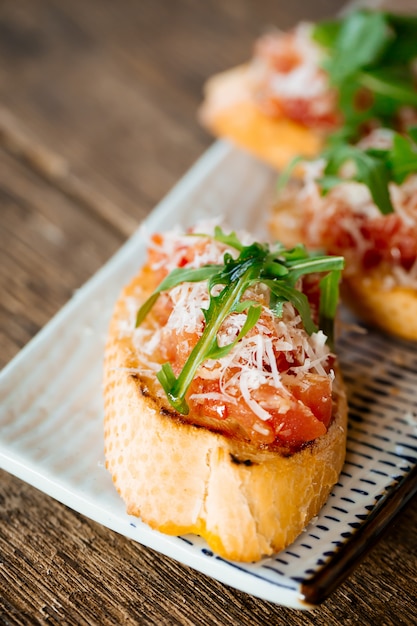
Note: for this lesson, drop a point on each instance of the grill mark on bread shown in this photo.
(237, 461)
(145, 392)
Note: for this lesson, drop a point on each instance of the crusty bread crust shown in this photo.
(181, 478)
(228, 111)
(392, 309)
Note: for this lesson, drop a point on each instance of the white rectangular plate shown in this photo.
(51, 409)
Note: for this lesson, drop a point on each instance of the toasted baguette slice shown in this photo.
(372, 295)
(228, 111)
(181, 477)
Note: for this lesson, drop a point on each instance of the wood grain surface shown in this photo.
(98, 104)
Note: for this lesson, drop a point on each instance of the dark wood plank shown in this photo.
(58, 567)
(113, 88)
(49, 246)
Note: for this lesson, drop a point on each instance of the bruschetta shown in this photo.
(362, 204)
(302, 87)
(225, 411)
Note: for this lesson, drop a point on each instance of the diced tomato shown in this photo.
(332, 235)
(387, 237)
(155, 252)
(192, 251)
(300, 413)
(299, 425)
(294, 420)
(315, 392)
(292, 411)
(299, 110)
(226, 412)
(162, 309)
(303, 111)
(176, 347)
(391, 240)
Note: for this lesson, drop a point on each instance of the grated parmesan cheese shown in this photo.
(253, 361)
(350, 206)
(287, 67)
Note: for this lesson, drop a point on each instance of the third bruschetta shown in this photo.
(304, 86)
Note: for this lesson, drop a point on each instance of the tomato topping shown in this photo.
(300, 414)
(391, 240)
(177, 348)
(292, 410)
(304, 111)
(385, 239)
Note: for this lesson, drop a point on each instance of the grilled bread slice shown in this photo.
(197, 474)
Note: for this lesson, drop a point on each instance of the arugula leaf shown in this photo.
(402, 159)
(298, 299)
(390, 83)
(326, 32)
(277, 268)
(230, 239)
(313, 263)
(176, 277)
(362, 39)
(369, 60)
(236, 276)
(286, 173)
(373, 167)
(329, 289)
(207, 346)
(412, 132)
(370, 170)
(403, 47)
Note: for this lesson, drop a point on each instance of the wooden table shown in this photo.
(98, 105)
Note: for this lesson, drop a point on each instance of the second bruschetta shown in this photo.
(361, 203)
